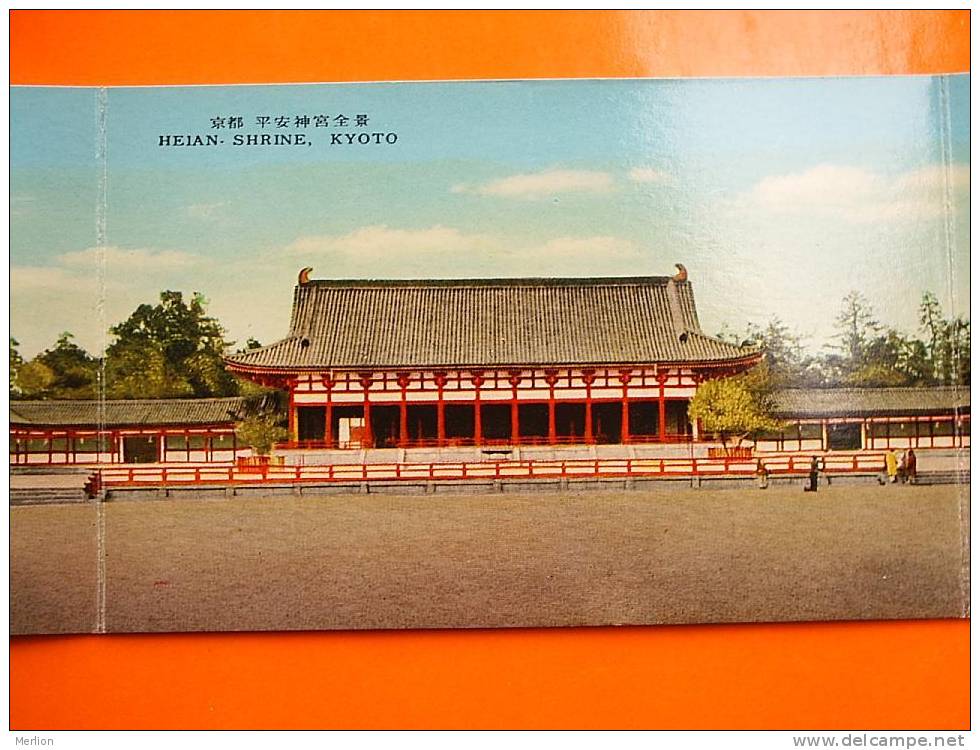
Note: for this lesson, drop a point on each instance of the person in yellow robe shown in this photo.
(891, 466)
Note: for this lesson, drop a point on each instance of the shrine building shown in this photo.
(484, 362)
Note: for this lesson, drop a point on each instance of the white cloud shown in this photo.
(251, 296)
(377, 242)
(385, 251)
(77, 294)
(601, 252)
(46, 301)
(651, 175)
(120, 259)
(22, 204)
(935, 177)
(36, 277)
(205, 210)
(538, 185)
(856, 194)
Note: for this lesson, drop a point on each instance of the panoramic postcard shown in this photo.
(489, 354)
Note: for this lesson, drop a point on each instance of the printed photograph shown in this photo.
(489, 354)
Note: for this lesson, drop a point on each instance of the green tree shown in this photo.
(959, 336)
(172, 349)
(249, 388)
(261, 432)
(34, 380)
(788, 364)
(734, 408)
(948, 345)
(142, 371)
(931, 321)
(16, 362)
(891, 359)
(65, 371)
(856, 326)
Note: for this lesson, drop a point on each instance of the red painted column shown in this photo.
(588, 377)
(293, 433)
(551, 378)
(328, 428)
(515, 425)
(368, 439)
(477, 378)
(440, 378)
(662, 408)
(624, 430)
(403, 381)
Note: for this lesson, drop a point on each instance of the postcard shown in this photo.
(489, 354)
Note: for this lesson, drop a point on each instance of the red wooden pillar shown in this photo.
(440, 378)
(293, 432)
(661, 408)
(403, 381)
(588, 377)
(551, 378)
(328, 383)
(367, 441)
(477, 379)
(515, 425)
(624, 430)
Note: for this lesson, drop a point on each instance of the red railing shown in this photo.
(463, 442)
(224, 474)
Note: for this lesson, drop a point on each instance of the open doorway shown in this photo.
(140, 449)
(844, 437)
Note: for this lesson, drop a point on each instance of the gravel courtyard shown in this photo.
(366, 561)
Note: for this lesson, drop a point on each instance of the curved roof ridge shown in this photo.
(503, 281)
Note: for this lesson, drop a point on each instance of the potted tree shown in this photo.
(734, 408)
(260, 432)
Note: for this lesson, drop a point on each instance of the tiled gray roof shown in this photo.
(491, 322)
(184, 411)
(843, 402)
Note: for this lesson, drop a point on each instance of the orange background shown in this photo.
(830, 675)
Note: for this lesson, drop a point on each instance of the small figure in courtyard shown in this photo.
(891, 465)
(762, 475)
(814, 475)
(910, 468)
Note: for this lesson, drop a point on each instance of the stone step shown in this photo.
(45, 496)
(949, 476)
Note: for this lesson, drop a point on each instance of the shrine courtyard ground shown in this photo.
(364, 561)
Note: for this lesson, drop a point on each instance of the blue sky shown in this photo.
(780, 195)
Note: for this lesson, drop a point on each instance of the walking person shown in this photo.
(814, 475)
(910, 467)
(762, 475)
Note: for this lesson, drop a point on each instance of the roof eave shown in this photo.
(287, 369)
